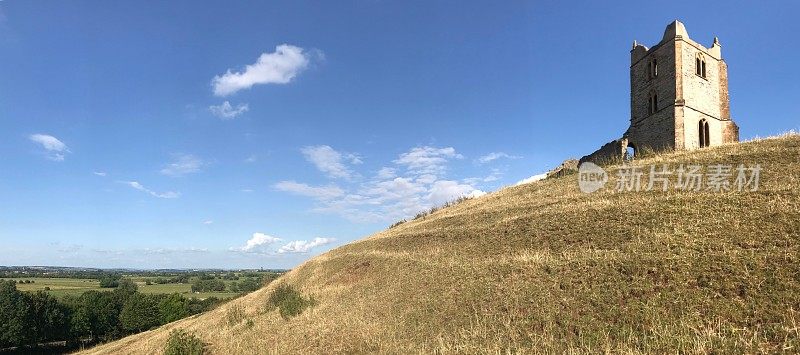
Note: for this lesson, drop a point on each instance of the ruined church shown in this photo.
(679, 98)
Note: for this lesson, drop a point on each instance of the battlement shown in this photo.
(675, 31)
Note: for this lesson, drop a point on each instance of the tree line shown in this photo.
(248, 283)
(36, 318)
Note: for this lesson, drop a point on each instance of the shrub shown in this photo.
(289, 301)
(182, 343)
(198, 306)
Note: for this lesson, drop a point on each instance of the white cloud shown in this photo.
(318, 192)
(100, 173)
(278, 67)
(140, 187)
(427, 160)
(183, 164)
(426, 178)
(444, 191)
(531, 179)
(150, 251)
(329, 161)
(208, 222)
(494, 156)
(54, 149)
(354, 159)
(494, 176)
(386, 173)
(251, 159)
(395, 189)
(475, 194)
(393, 193)
(257, 243)
(226, 111)
(303, 246)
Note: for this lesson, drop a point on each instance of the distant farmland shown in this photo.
(60, 287)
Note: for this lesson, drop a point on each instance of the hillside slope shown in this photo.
(544, 267)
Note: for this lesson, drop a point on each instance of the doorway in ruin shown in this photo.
(630, 151)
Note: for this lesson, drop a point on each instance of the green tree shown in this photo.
(173, 307)
(15, 316)
(97, 314)
(50, 318)
(249, 285)
(109, 280)
(126, 287)
(140, 313)
(208, 285)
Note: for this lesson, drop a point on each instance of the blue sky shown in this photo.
(240, 134)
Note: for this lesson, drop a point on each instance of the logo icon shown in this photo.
(591, 177)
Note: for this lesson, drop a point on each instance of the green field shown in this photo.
(60, 287)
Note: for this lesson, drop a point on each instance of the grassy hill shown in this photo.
(543, 267)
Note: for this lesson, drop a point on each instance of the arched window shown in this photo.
(700, 65)
(652, 69)
(703, 134)
(652, 102)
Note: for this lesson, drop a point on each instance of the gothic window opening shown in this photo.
(700, 66)
(703, 133)
(652, 103)
(652, 69)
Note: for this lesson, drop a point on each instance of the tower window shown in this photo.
(652, 69)
(700, 66)
(703, 133)
(652, 103)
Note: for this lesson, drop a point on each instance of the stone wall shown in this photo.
(730, 132)
(609, 153)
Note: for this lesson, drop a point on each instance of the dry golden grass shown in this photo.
(544, 268)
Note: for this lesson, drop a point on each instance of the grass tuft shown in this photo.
(235, 315)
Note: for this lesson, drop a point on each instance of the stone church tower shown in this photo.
(679, 94)
(679, 98)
